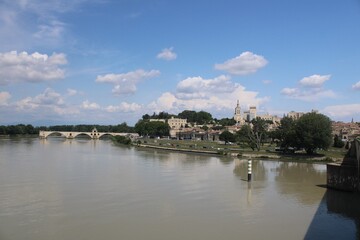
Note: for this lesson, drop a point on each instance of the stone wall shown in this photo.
(346, 175)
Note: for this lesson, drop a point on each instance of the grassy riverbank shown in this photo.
(267, 151)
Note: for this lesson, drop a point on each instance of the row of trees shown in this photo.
(310, 132)
(22, 129)
(193, 117)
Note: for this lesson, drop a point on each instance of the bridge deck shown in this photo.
(93, 135)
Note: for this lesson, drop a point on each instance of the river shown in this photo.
(91, 189)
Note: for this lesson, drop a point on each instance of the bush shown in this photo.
(122, 140)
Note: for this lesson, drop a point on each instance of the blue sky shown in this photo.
(110, 61)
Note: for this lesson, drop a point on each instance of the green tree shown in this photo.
(286, 133)
(227, 122)
(313, 131)
(227, 137)
(337, 142)
(152, 129)
(253, 134)
(201, 117)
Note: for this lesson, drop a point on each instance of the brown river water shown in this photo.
(91, 189)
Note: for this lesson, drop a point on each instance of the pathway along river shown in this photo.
(86, 189)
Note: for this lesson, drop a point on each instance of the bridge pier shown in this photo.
(346, 176)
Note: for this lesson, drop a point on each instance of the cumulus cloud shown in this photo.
(345, 110)
(198, 87)
(49, 98)
(244, 64)
(90, 106)
(314, 80)
(167, 54)
(35, 67)
(4, 97)
(310, 89)
(356, 86)
(125, 83)
(124, 107)
(47, 103)
(197, 93)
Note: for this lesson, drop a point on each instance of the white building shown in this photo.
(177, 123)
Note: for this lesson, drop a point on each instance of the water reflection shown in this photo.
(258, 170)
(292, 178)
(345, 221)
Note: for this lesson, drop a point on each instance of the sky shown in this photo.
(112, 61)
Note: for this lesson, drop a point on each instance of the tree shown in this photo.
(196, 117)
(152, 129)
(337, 142)
(286, 133)
(227, 137)
(253, 134)
(227, 122)
(313, 131)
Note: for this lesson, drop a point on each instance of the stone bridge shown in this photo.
(94, 134)
(346, 175)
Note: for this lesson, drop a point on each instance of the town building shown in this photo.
(247, 116)
(346, 131)
(177, 123)
(295, 115)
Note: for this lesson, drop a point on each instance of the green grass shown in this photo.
(267, 150)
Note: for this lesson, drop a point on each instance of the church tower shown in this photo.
(237, 115)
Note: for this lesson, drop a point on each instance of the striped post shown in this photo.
(249, 170)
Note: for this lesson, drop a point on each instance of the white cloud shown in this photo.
(289, 91)
(356, 86)
(50, 32)
(167, 54)
(215, 95)
(71, 92)
(4, 97)
(244, 64)
(310, 89)
(199, 87)
(314, 80)
(125, 83)
(90, 106)
(47, 103)
(346, 110)
(266, 82)
(124, 107)
(34, 67)
(311, 95)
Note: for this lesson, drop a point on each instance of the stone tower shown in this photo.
(237, 115)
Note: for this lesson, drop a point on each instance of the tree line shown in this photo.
(22, 129)
(310, 132)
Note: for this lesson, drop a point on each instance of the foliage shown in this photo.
(227, 122)
(254, 134)
(313, 131)
(122, 140)
(201, 117)
(227, 137)
(20, 129)
(337, 142)
(286, 133)
(161, 115)
(152, 129)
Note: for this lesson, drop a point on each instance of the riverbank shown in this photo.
(213, 148)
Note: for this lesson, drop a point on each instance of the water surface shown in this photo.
(91, 189)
